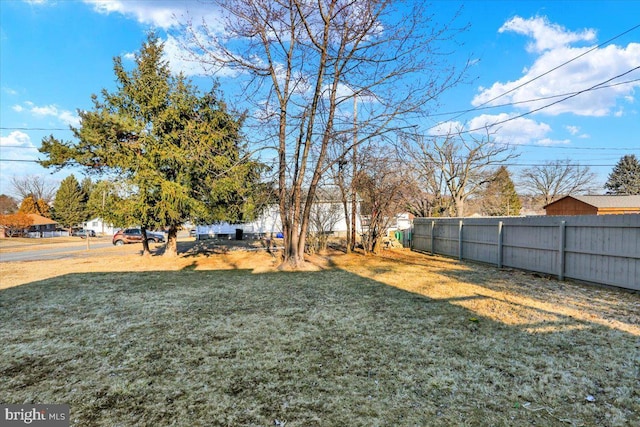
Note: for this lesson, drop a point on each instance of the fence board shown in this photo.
(601, 249)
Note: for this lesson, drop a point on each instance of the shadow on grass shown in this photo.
(515, 296)
(326, 348)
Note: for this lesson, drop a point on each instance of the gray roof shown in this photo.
(610, 201)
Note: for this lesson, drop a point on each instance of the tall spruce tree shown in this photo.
(500, 197)
(178, 152)
(625, 177)
(68, 206)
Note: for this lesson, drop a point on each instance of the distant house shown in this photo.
(41, 223)
(100, 227)
(594, 205)
(40, 226)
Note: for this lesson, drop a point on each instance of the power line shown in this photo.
(29, 128)
(505, 164)
(510, 104)
(18, 146)
(561, 65)
(478, 107)
(535, 110)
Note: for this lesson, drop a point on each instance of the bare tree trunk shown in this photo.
(145, 244)
(171, 248)
(458, 206)
(345, 205)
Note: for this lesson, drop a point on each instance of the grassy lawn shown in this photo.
(404, 340)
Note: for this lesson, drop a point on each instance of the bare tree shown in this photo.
(342, 172)
(379, 182)
(8, 205)
(556, 179)
(303, 63)
(461, 162)
(325, 214)
(424, 188)
(34, 185)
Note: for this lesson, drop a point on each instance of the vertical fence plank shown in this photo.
(500, 225)
(460, 240)
(433, 226)
(561, 249)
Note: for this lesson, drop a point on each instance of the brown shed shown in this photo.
(594, 205)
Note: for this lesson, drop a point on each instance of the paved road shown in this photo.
(52, 252)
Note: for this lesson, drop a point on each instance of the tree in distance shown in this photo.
(460, 162)
(31, 205)
(34, 185)
(624, 179)
(556, 179)
(177, 153)
(8, 205)
(500, 197)
(68, 206)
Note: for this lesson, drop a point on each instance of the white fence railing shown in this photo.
(46, 234)
(600, 249)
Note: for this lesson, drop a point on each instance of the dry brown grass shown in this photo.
(401, 339)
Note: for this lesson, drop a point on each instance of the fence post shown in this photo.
(433, 226)
(500, 244)
(460, 240)
(563, 226)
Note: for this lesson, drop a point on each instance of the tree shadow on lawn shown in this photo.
(512, 296)
(328, 348)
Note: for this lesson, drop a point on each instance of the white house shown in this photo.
(100, 227)
(325, 217)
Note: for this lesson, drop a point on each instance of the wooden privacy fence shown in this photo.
(601, 249)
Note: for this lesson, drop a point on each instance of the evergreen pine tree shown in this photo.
(178, 152)
(69, 208)
(625, 177)
(500, 197)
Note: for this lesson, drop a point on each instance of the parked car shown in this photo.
(134, 235)
(83, 233)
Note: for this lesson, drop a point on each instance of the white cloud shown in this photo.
(515, 131)
(47, 110)
(182, 59)
(161, 14)
(548, 142)
(545, 35)
(552, 44)
(16, 139)
(158, 14)
(14, 148)
(9, 91)
(445, 128)
(573, 130)
(65, 116)
(69, 118)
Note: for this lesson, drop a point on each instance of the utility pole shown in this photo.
(353, 178)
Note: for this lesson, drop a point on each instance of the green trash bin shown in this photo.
(239, 233)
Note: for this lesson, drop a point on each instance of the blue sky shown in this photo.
(55, 54)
